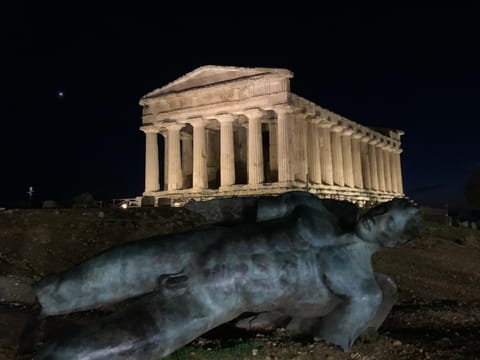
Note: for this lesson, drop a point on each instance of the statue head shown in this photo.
(389, 224)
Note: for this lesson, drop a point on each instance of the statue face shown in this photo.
(390, 224)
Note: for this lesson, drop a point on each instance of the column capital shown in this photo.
(397, 150)
(388, 147)
(174, 126)
(149, 129)
(357, 135)
(347, 132)
(365, 138)
(325, 123)
(253, 113)
(283, 109)
(337, 128)
(383, 145)
(374, 141)
(198, 121)
(224, 117)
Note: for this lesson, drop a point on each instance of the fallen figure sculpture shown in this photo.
(297, 261)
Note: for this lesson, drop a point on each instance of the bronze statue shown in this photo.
(300, 260)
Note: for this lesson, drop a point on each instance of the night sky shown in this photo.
(415, 69)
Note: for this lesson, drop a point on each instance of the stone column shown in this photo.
(365, 159)
(357, 161)
(314, 161)
(298, 137)
(398, 172)
(200, 180)
(386, 164)
(227, 152)
(380, 166)
(272, 137)
(304, 150)
(297, 145)
(337, 157)
(255, 147)
(165, 158)
(151, 159)
(174, 157)
(346, 136)
(283, 143)
(393, 170)
(325, 144)
(187, 158)
(372, 154)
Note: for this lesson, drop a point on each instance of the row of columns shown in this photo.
(355, 160)
(331, 154)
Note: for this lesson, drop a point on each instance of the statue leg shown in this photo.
(389, 298)
(122, 272)
(110, 277)
(152, 327)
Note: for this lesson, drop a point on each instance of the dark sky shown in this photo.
(415, 69)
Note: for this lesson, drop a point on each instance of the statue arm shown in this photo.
(152, 326)
(361, 299)
(275, 207)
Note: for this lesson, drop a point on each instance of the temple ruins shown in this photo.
(235, 131)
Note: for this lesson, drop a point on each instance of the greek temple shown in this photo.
(235, 131)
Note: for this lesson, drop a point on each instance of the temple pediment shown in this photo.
(210, 74)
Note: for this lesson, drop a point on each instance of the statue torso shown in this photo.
(278, 265)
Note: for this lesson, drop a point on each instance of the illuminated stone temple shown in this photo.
(234, 131)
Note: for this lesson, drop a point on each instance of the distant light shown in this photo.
(124, 206)
(177, 203)
(60, 94)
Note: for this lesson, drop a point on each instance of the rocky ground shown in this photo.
(437, 315)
